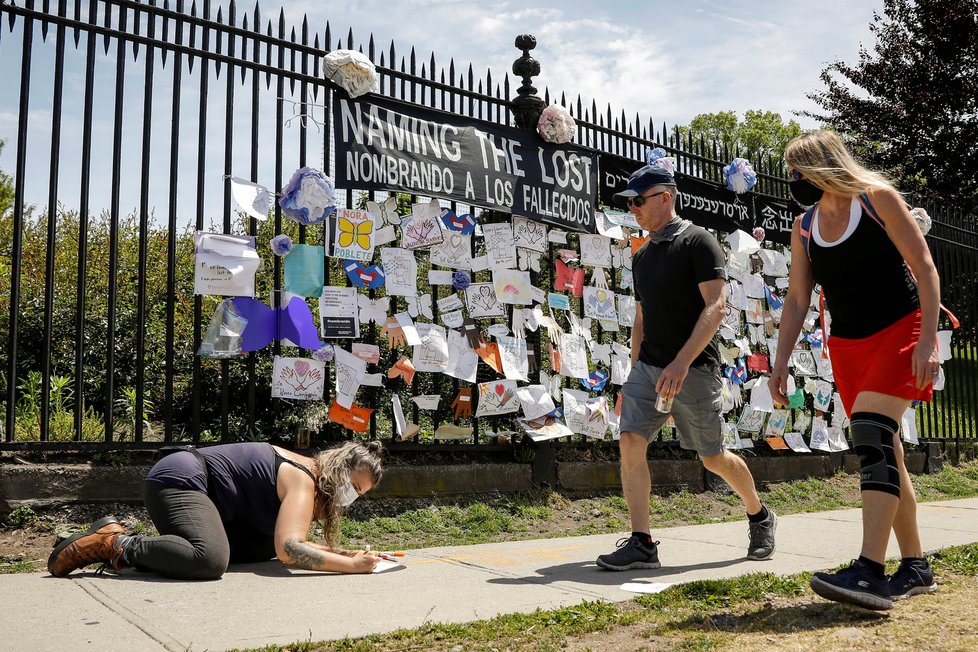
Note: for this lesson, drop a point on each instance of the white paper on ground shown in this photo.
(386, 565)
(642, 587)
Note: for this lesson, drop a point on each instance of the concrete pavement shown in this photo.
(263, 604)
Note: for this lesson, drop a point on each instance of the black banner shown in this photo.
(706, 203)
(383, 144)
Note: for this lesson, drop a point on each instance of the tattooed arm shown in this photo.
(297, 493)
(302, 554)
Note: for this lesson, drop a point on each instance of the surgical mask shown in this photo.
(346, 494)
(805, 192)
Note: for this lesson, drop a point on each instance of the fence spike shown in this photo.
(106, 22)
(220, 43)
(349, 39)
(44, 24)
(268, 54)
(506, 94)
(370, 47)
(327, 38)
(292, 61)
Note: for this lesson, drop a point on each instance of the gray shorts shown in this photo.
(696, 408)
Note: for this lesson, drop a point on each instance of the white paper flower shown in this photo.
(352, 71)
(556, 125)
(922, 219)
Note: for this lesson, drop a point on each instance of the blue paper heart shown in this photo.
(364, 277)
(464, 224)
(596, 380)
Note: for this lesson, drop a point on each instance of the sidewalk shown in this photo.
(266, 604)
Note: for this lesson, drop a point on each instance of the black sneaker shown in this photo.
(912, 578)
(761, 544)
(631, 553)
(854, 585)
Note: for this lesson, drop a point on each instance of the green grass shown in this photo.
(546, 514)
(688, 612)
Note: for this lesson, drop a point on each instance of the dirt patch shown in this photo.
(27, 548)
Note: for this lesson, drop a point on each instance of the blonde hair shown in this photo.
(333, 467)
(822, 158)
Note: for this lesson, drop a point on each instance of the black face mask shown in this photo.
(805, 192)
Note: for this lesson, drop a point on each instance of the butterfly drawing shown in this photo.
(528, 259)
(420, 306)
(621, 259)
(569, 278)
(552, 384)
(358, 233)
(385, 213)
(373, 310)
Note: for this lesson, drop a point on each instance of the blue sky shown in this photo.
(664, 60)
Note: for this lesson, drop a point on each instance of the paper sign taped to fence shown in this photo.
(226, 265)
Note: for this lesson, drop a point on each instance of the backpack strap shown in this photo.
(805, 229)
(870, 210)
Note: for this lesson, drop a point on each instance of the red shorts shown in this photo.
(880, 363)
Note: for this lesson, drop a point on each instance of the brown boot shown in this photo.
(101, 543)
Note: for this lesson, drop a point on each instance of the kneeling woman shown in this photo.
(236, 503)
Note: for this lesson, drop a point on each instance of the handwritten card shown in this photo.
(529, 234)
(225, 265)
(354, 235)
(497, 397)
(298, 378)
(480, 298)
(401, 268)
(512, 287)
(500, 245)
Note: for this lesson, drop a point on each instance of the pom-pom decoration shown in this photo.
(309, 197)
(758, 233)
(352, 71)
(281, 245)
(922, 219)
(556, 125)
(324, 353)
(740, 175)
(658, 157)
(460, 280)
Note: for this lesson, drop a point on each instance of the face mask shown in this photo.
(346, 494)
(805, 192)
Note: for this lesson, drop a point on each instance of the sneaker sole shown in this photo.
(917, 590)
(96, 526)
(770, 554)
(858, 598)
(633, 565)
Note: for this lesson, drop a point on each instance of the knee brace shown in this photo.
(872, 439)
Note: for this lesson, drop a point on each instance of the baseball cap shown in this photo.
(644, 178)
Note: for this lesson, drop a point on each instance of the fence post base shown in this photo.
(935, 459)
(545, 464)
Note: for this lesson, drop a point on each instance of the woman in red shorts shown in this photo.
(859, 242)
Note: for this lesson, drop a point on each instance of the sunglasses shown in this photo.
(639, 201)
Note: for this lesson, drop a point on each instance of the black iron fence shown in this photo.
(108, 359)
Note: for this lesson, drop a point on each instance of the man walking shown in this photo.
(680, 295)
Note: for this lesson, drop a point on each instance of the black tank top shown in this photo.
(867, 284)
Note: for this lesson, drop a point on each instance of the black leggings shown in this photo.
(193, 544)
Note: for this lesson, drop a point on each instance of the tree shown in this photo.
(910, 105)
(6, 187)
(760, 134)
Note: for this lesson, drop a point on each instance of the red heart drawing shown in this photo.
(500, 389)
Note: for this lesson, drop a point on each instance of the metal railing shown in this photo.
(254, 75)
